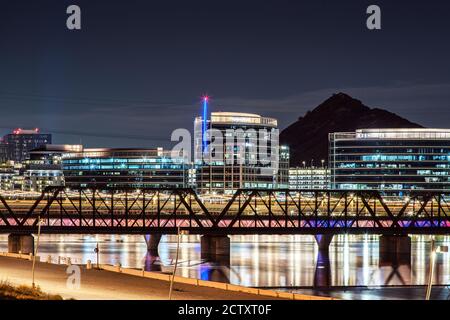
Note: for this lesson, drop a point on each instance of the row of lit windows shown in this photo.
(121, 160)
(124, 167)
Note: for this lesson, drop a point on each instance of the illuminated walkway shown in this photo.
(104, 285)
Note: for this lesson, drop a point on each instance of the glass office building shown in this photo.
(393, 161)
(125, 168)
(17, 145)
(237, 162)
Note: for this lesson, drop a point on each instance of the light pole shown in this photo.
(179, 234)
(97, 252)
(35, 252)
(434, 251)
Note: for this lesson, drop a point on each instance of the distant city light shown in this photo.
(205, 116)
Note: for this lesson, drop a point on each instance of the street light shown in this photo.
(36, 252)
(97, 252)
(434, 250)
(179, 234)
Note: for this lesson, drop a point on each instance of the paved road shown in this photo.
(99, 284)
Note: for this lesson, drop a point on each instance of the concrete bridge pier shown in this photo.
(322, 273)
(323, 241)
(152, 241)
(152, 262)
(395, 249)
(23, 243)
(215, 249)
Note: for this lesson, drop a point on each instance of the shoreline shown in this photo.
(116, 283)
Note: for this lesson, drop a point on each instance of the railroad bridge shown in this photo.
(154, 212)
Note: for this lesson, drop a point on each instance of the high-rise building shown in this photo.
(248, 156)
(393, 161)
(125, 168)
(18, 144)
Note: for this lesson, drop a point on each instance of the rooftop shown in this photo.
(394, 133)
(242, 118)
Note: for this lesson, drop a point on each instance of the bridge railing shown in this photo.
(247, 209)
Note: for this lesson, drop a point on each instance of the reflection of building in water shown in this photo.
(152, 262)
(261, 261)
(322, 274)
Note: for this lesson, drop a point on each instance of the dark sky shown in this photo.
(137, 69)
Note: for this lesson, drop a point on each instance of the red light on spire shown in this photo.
(205, 98)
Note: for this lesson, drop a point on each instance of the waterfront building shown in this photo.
(3, 152)
(10, 178)
(395, 161)
(44, 167)
(239, 164)
(126, 168)
(17, 145)
(309, 178)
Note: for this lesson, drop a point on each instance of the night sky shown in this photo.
(138, 69)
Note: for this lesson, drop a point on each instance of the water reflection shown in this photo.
(322, 275)
(152, 262)
(261, 261)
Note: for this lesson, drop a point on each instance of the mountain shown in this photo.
(308, 136)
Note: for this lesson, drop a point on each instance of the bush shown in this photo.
(9, 292)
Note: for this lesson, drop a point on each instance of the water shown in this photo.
(285, 262)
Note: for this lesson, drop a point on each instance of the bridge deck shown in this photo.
(245, 212)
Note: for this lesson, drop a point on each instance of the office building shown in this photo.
(247, 157)
(10, 176)
(44, 166)
(17, 145)
(309, 178)
(393, 161)
(125, 168)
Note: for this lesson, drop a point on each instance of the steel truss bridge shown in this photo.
(247, 211)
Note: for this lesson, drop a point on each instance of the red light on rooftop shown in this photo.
(36, 129)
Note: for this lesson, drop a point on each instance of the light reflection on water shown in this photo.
(261, 261)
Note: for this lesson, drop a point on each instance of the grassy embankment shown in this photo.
(10, 292)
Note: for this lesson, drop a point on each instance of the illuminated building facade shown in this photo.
(44, 168)
(395, 161)
(17, 145)
(238, 164)
(125, 168)
(309, 178)
(10, 176)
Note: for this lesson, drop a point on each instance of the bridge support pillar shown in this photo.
(215, 249)
(322, 273)
(152, 241)
(23, 243)
(395, 248)
(323, 241)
